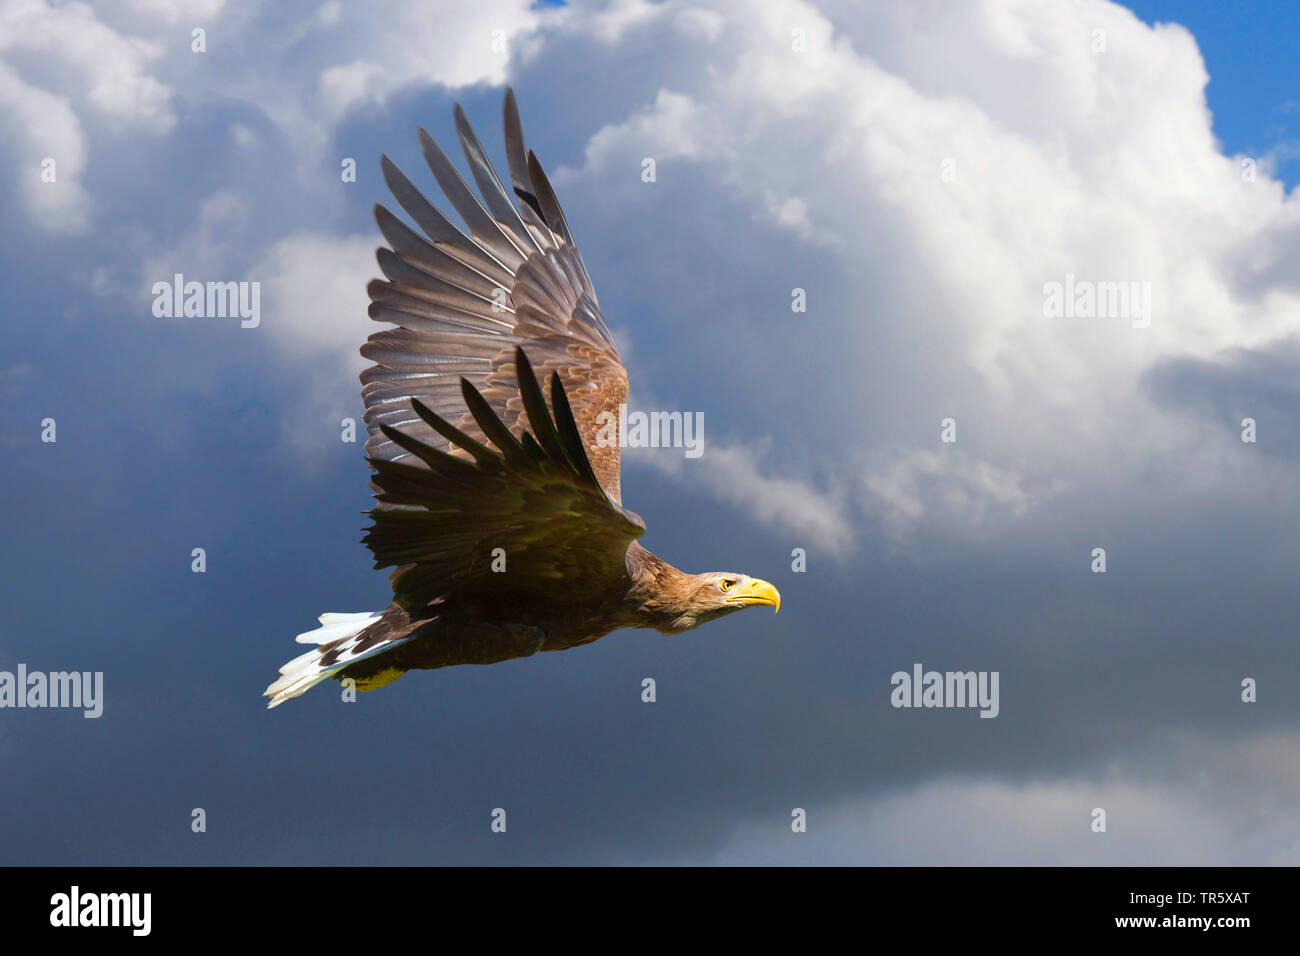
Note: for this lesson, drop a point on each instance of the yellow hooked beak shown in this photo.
(754, 591)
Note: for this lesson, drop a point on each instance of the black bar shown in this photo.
(975, 904)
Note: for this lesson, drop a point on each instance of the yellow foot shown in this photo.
(379, 679)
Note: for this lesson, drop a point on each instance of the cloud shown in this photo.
(197, 12)
(668, 129)
(58, 65)
(341, 86)
(316, 285)
(211, 246)
(795, 507)
(111, 69)
(948, 487)
(389, 44)
(1222, 391)
(42, 127)
(314, 308)
(991, 822)
(942, 168)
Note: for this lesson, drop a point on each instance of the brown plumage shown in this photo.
(497, 505)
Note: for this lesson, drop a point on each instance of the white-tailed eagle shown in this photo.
(497, 504)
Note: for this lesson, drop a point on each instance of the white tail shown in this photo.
(338, 632)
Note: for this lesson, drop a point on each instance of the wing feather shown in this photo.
(535, 497)
(462, 301)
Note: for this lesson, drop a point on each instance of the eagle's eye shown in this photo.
(726, 584)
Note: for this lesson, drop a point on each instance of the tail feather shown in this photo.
(335, 625)
(340, 642)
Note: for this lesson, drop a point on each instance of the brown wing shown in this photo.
(463, 303)
(528, 519)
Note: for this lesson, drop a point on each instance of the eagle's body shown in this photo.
(500, 511)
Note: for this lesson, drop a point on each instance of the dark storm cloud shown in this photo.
(1262, 384)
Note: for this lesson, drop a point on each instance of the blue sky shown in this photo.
(922, 173)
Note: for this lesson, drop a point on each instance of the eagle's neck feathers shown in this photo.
(659, 595)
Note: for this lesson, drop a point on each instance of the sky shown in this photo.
(926, 173)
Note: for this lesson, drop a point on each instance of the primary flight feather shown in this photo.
(497, 506)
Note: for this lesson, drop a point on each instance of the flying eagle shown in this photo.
(500, 510)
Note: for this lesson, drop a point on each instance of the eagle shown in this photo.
(498, 501)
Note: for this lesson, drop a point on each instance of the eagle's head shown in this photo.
(705, 597)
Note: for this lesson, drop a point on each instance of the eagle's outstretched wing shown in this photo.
(528, 518)
(463, 303)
